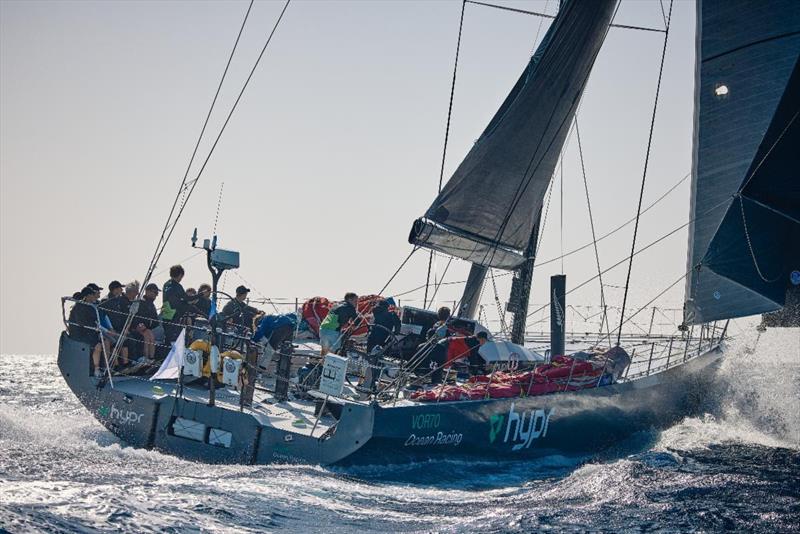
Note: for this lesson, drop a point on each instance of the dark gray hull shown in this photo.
(563, 423)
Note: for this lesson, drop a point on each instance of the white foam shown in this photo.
(759, 392)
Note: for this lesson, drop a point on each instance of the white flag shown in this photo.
(173, 363)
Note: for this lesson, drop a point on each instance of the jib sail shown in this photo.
(486, 212)
(744, 242)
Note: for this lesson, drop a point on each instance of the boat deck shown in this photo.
(649, 354)
(293, 415)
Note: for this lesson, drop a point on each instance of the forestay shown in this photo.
(743, 242)
(486, 212)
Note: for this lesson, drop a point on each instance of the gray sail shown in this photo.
(487, 210)
(743, 242)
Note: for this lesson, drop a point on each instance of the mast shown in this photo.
(521, 288)
(472, 292)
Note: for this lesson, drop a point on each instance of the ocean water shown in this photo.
(736, 467)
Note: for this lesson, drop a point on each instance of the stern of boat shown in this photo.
(131, 418)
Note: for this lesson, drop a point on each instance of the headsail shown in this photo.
(486, 212)
(744, 242)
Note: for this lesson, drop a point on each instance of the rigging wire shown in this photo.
(441, 280)
(644, 172)
(547, 16)
(170, 225)
(446, 136)
(227, 120)
(582, 247)
(740, 196)
(618, 228)
(771, 148)
(539, 29)
(267, 300)
(413, 250)
(182, 188)
(663, 13)
(649, 245)
(591, 224)
(500, 311)
(544, 219)
(181, 196)
(527, 178)
(181, 262)
(634, 314)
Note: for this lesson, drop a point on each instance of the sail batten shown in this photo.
(486, 212)
(747, 96)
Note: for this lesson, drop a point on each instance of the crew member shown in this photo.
(237, 311)
(337, 323)
(439, 329)
(114, 290)
(437, 339)
(146, 321)
(175, 304)
(83, 326)
(204, 300)
(477, 365)
(385, 323)
(119, 307)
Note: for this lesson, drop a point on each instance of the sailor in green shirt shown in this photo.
(176, 304)
(337, 322)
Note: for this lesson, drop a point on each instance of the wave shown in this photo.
(62, 471)
(756, 397)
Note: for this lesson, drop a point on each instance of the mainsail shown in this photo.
(744, 241)
(487, 210)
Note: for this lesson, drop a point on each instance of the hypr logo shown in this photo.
(126, 417)
(524, 432)
(495, 425)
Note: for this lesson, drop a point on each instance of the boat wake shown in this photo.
(736, 466)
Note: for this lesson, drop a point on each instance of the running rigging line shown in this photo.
(183, 193)
(644, 173)
(446, 138)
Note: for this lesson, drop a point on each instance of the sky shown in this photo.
(331, 154)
